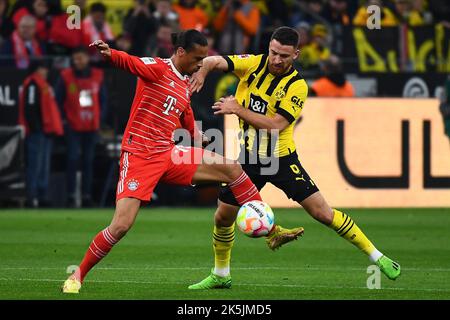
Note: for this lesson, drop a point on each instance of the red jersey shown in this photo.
(161, 104)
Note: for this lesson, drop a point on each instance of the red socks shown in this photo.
(100, 246)
(244, 190)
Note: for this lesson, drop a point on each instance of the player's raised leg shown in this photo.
(214, 167)
(124, 217)
(345, 227)
(223, 233)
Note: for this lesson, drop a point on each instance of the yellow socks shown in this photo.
(347, 229)
(223, 239)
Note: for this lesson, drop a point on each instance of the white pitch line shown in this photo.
(240, 284)
(234, 268)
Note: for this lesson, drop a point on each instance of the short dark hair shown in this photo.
(36, 63)
(286, 36)
(188, 39)
(98, 7)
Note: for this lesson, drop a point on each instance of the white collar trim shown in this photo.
(169, 61)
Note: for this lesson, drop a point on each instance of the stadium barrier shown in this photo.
(369, 152)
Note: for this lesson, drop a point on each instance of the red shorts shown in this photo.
(139, 175)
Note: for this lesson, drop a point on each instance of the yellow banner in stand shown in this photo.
(371, 153)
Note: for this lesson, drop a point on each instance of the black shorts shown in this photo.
(291, 177)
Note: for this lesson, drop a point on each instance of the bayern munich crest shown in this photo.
(132, 185)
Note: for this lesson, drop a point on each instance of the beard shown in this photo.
(278, 70)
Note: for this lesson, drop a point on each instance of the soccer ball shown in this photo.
(255, 219)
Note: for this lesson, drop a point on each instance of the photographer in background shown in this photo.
(238, 23)
(81, 94)
(40, 116)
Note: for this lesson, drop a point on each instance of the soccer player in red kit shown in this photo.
(161, 105)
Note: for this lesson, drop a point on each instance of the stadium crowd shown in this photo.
(31, 31)
(38, 27)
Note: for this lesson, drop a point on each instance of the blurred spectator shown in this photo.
(164, 12)
(333, 82)
(123, 43)
(422, 8)
(164, 46)
(335, 12)
(81, 94)
(190, 16)
(387, 16)
(317, 50)
(304, 30)
(37, 9)
(440, 10)
(23, 44)
(61, 39)
(309, 11)
(238, 23)
(279, 14)
(445, 106)
(39, 114)
(95, 27)
(406, 13)
(82, 5)
(140, 25)
(211, 7)
(211, 42)
(316, 6)
(6, 25)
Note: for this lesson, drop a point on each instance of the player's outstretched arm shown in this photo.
(209, 64)
(145, 68)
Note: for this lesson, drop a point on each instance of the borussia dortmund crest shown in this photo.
(280, 94)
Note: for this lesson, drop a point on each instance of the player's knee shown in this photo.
(119, 229)
(233, 171)
(323, 214)
(225, 214)
(223, 220)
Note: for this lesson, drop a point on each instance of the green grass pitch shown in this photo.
(170, 248)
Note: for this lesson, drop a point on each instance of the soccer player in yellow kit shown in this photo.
(269, 99)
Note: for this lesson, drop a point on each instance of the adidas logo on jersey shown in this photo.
(172, 84)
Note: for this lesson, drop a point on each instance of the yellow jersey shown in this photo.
(264, 93)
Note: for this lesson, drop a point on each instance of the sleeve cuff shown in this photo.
(230, 63)
(289, 117)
